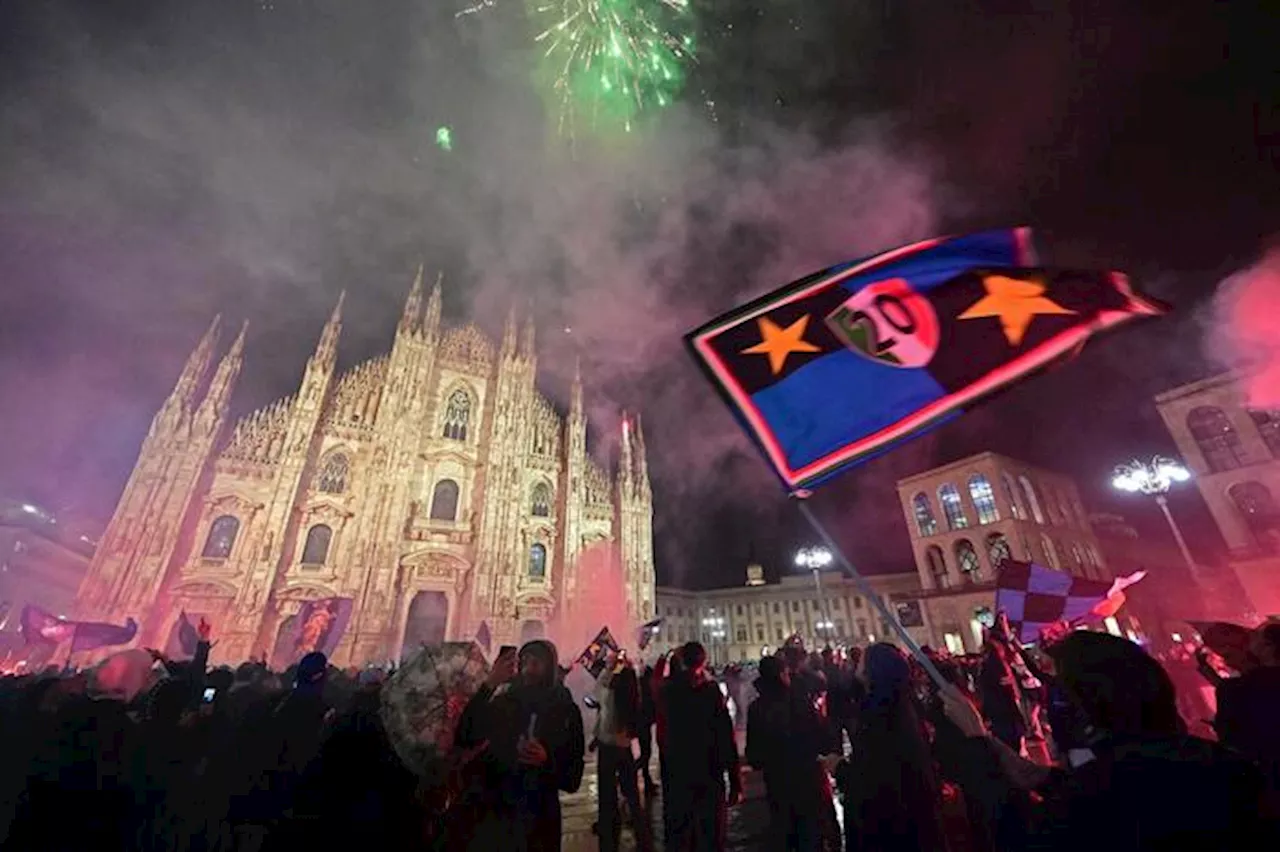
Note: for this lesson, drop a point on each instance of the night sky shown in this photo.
(162, 161)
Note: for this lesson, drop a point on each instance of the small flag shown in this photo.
(89, 635)
(593, 657)
(846, 363)
(647, 632)
(318, 626)
(1034, 597)
(483, 639)
(41, 627)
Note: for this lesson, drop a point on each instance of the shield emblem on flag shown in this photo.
(888, 322)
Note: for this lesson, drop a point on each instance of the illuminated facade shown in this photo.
(1234, 452)
(965, 517)
(434, 486)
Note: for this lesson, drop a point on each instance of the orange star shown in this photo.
(778, 343)
(1015, 302)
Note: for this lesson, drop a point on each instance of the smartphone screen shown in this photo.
(209, 694)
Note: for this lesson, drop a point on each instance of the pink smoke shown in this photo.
(1246, 332)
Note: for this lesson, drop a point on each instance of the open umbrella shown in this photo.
(423, 700)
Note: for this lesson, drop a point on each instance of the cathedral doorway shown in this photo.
(282, 651)
(427, 621)
(531, 630)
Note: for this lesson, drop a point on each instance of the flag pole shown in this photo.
(871, 595)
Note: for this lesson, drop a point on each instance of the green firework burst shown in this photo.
(607, 62)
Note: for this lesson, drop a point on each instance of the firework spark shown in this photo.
(609, 61)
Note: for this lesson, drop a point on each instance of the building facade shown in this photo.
(966, 517)
(744, 623)
(434, 487)
(1234, 452)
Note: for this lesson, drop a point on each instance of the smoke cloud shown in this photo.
(1245, 334)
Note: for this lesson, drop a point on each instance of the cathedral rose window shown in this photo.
(457, 414)
(222, 537)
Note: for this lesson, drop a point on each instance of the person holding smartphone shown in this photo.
(535, 751)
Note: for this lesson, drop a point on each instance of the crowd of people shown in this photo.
(861, 751)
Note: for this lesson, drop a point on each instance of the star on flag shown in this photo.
(1016, 302)
(778, 342)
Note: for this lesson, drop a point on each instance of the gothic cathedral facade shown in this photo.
(433, 486)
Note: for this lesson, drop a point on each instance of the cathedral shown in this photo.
(434, 488)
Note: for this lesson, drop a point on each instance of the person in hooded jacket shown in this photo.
(1249, 707)
(785, 741)
(535, 751)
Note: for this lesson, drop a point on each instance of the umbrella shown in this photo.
(423, 700)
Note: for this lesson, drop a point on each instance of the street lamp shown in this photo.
(815, 559)
(1154, 478)
(713, 626)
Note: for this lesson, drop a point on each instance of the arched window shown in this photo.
(537, 562)
(926, 523)
(222, 537)
(1256, 506)
(1216, 438)
(1077, 556)
(984, 499)
(1050, 552)
(1268, 423)
(457, 415)
(1064, 509)
(998, 549)
(444, 501)
(1033, 502)
(1011, 495)
(967, 559)
(937, 566)
(332, 476)
(541, 502)
(952, 508)
(316, 550)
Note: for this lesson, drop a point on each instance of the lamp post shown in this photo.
(1154, 478)
(815, 559)
(713, 627)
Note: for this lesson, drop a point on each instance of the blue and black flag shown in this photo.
(846, 363)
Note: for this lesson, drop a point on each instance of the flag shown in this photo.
(318, 626)
(89, 635)
(41, 627)
(1034, 597)
(593, 657)
(646, 633)
(483, 639)
(846, 363)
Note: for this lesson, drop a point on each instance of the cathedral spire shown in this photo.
(625, 469)
(412, 306)
(641, 459)
(509, 333)
(526, 339)
(327, 349)
(575, 392)
(431, 322)
(223, 382)
(197, 365)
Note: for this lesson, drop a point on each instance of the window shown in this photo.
(838, 603)
(937, 566)
(780, 633)
(1268, 423)
(984, 499)
(1033, 502)
(759, 634)
(1011, 495)
(457, 414)
(1064, 509)
(998, 549)
(949, 497)
(1077, 555)
(1050, 552)
(537, 562)
(222, 537)
(967, 559)
(756, 609)
(776, 608)
(862, 627)
(857, 603)
(1216, 438)
(741, 633)
(926, 523)
(316, 549)
(541, 502)
(840, 628)
(1256, 506)
(816, 606)
(332, 476)
(739, 609)
(444, 501)
(795, 606)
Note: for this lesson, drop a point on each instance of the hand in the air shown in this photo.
(504, 669)
(204, 630)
